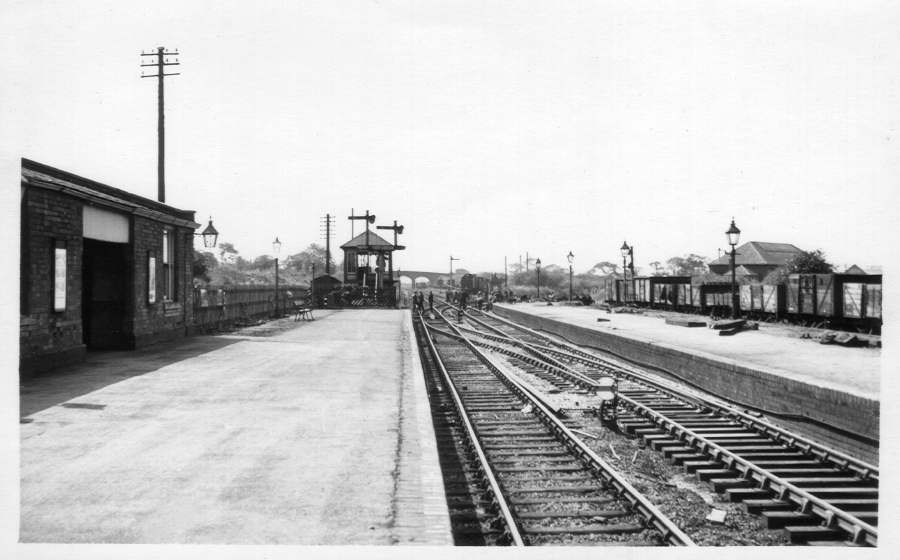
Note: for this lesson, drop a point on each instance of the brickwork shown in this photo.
(47, 337)
(162, 320)
(742, 384)
(52, 215)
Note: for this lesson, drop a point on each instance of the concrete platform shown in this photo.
(287, 433)
(828, 393)
(852, 370)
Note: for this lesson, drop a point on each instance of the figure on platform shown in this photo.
(430, 301)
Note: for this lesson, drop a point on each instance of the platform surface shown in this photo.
(852, 370)
(286, 433)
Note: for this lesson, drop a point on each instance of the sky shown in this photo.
(488, 129)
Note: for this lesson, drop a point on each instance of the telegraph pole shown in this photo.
(328, 221)
(160, 64)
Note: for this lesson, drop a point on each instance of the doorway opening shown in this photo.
(104, 295)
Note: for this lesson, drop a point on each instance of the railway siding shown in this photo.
(837, 414)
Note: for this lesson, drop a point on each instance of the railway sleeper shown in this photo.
(780, 519)
(540, 468)
(584, 513)
(841, 482)
(741, 494)
(806, 533)
(583, 529)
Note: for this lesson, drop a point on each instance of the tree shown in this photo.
(303, 261)
(203, 264)
(810, 262)
(687, 265)
(805, 262)
(604, 268)
(227, 252)
(263, 262)
(656, 267)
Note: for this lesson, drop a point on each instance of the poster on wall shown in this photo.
(151, 278)
(59, 279)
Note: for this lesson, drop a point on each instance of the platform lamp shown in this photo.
(537, 267)
(276, 249)
(210, 235)
(734, 236)
(571, 258)
(626, 253)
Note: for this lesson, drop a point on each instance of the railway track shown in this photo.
(818, 495)
(515, 474)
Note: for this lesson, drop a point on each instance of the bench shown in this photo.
(302, 311)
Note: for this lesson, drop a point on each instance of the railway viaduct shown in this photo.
(434, 278)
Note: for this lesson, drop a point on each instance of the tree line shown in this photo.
(227, 266)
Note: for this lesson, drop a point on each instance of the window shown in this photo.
(168, 264)
(59, 276)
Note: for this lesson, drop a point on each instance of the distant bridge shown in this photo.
(434, 278)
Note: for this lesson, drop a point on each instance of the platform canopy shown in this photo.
(369, 242)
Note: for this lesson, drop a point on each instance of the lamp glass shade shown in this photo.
(210, 235)
(733, 234)
(537, 263)
(625, 249)
(276, 246)
(570, 257)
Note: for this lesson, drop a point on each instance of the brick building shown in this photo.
(757, 257)
(100, 268)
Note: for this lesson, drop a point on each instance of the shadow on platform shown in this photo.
(103, 368)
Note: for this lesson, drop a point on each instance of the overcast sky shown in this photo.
(486, 128)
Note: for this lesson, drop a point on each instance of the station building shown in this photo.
(101, 268)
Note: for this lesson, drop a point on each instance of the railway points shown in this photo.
(817, 495)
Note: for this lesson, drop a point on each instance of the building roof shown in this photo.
(743, 271)
(39, 175)
(760, 253)
(375, 243)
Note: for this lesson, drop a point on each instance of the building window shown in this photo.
(59, 276)
(168, 264)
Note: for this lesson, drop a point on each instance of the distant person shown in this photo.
(463, 299)
(430, 301)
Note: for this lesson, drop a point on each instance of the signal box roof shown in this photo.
(375, 243)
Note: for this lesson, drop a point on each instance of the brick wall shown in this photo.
(842, 411)
(162, 320)
(48, 338)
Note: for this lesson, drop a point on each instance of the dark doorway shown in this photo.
(104, 285)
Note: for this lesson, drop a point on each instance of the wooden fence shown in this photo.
(218, 307)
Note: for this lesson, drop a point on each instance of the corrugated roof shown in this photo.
(376, 242)
(760, 252)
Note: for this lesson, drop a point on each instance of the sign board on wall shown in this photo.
(104, 225)
(151, 278)
(59, 278)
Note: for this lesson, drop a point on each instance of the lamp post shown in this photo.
(276, 249)
(627, 252)
(571, 259)
(537, 267)
(209, 234)
(734, 235)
